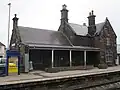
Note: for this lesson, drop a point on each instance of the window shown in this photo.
(105, 28)
(13, 45)
(109, 56)
(108, 41)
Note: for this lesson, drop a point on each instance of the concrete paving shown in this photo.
(17, 78)
(77, 72)
(41, 75)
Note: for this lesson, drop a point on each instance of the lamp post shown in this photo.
(9, 23)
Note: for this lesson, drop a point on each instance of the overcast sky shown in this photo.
(45, 14)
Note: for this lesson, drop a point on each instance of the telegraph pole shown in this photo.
(9, 23)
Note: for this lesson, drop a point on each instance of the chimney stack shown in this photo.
(91, 23)
(64, 14)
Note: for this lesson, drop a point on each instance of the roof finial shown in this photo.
(15, 19)
(64, 6)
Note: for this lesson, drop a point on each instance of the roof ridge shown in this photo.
(36, 28)
(78, 24)
(100, 23)
(86, 25)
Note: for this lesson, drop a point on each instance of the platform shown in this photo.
(43, 76)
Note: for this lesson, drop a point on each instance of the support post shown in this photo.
(84, 59)
(52, 58)
(9, 23)
(70, 59)
(27, 63)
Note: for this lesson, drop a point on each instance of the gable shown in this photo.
(15, 38)
(42, 37)
(67, 30)
(108, 24)
(107, 28)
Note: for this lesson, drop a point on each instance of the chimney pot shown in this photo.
(92, 12)
(15, 15)
(64, 6)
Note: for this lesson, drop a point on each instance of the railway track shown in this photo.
(106, 81)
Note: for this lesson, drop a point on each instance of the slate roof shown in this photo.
(99, 27)
(83, 30)
(42, 37)
(79, 29)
